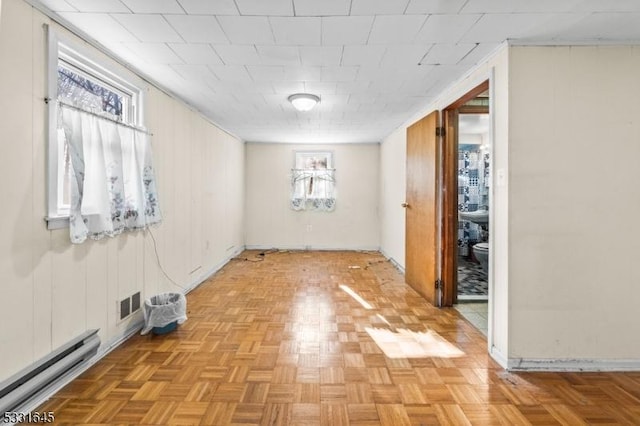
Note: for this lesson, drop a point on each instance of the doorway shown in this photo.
(467, 171)
(432, 226)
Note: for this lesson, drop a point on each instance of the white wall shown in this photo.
(574, 194)
(52, 290)
(393, 174)
(270, 222)
(393, 179)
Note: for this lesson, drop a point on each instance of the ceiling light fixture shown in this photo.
(303, 101)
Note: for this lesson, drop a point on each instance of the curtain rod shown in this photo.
(120, 123)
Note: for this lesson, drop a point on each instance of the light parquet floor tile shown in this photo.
(286, 339)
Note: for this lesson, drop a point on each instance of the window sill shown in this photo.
(59, 222)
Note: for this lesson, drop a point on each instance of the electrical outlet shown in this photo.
(309, 228)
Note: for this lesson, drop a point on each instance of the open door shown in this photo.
(449, 181)
(422, 208)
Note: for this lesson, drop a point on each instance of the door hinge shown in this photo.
(438, 284)
(440, 131)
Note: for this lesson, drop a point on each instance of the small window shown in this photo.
(313, 182)
(75, 79)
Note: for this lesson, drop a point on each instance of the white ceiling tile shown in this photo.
(241, 87)
(302, 73)
(238, 54)
(262, 7)
(399, 56)
(247, 29)
(365, 93)
(370, 73)
(435, 6)
(148, 28)
(320, 87)
(546, 6)
(196, 53)
(196, 73)
(99, 6)
(481, 51)
(100, 26)
(447, 54)
(608, 6)
(296, 31)
(490, 6)
(279, 55)
(341, 30)
(154, 53)
(125, 54)
(198, 28)
(209, 7)
(363, 55)
(378, 7)
(287, 87)
(446, 28)
(162, 73)
(352, 87)
(321, 55)
(395, 29)
(153, 6)
(361, 98)
(321, 8)
(266, 73)
(386, 86)
(523, 6)
(440, 76)
(495, 28)
(227, 73)
(58, 5)
(339, 73)
(603, 25)
(559, 25)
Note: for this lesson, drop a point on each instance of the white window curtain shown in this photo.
(313, 190)
(112, 184)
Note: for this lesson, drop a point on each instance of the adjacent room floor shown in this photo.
(477, 313)
(472, 281)
(331, 338)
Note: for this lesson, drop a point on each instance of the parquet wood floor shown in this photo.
(288, 339)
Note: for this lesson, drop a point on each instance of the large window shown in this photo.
(78, 80)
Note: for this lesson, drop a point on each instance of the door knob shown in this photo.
(405, 205)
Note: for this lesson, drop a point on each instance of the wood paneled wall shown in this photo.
(52, 290)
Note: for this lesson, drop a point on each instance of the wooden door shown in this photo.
(449, 180)
(421, 206)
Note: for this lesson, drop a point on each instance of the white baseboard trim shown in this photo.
(393, 261)
(558, 365)
(498, 357)
(303, 248)
(206, 275)
(108, 347)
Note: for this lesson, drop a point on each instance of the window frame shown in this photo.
(80, 58)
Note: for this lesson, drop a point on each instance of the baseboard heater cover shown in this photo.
(30, 382)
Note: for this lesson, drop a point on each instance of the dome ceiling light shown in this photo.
(304, 101)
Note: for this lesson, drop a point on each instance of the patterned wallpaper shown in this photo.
(473, 192)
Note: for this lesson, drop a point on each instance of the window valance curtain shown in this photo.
(313, 189)
(112, 184)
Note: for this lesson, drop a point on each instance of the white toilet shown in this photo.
(481, 252)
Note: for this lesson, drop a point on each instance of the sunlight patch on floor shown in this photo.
(355, 296)
(404, 343)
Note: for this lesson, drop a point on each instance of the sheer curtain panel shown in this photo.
(112, 185)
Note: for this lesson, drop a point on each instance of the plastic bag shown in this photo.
(163, 309)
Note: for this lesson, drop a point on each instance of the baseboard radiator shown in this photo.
(33, 381)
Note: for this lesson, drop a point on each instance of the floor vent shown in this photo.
(28, 384)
